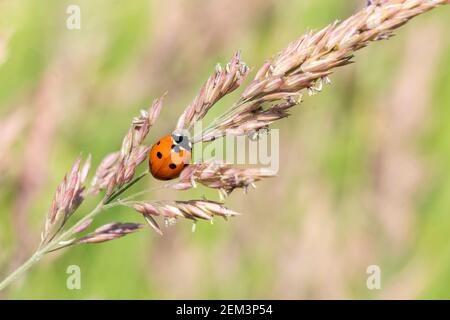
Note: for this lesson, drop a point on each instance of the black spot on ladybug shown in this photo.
(172, 166)
(158, 143)
(159, 155)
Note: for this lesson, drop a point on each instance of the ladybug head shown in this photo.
(182, 141)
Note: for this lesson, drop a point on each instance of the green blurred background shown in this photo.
(364, 177)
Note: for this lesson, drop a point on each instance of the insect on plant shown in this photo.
(303, 66)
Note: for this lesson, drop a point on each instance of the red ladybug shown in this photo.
(169, 156)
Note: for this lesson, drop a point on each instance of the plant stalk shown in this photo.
(105, 204)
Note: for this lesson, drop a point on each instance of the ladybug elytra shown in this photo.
(169, 156)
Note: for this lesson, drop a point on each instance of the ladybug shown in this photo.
(169, 156)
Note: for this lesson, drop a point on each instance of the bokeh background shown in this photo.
(364, 177)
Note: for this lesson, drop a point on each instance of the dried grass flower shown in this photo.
(221, 176)
(172, 210)
(222, 82)
(119, 168)
(68, 197)
(110, 232)
(277, 86)
(306, 63)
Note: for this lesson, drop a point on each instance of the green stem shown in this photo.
(19, 271)
(54, 244)
(125, 188)
(45, 249)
